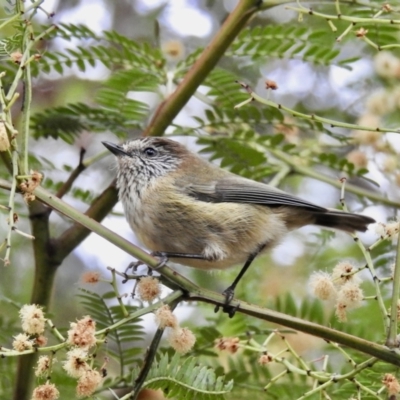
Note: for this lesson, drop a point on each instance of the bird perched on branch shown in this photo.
(197, 214)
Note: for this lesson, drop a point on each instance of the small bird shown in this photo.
(197, 214)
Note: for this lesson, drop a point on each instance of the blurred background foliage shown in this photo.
(101, 76)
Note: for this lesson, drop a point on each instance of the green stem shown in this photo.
(55, 331)
(306, 171)
(149, 359)
(11, 207)
(333, 123)
(125, 313)
(171, 298)
(354, 20)
(379, 297)
(319, 388)
(26, 115)
(18, 15)
(276, 378)
(365, 346)
(97, 157)
(366, 389)
(73, 176)
(74, 235)
(392, 340)
(367, 255)
(23, 64)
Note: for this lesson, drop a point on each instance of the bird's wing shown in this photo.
(240, 190)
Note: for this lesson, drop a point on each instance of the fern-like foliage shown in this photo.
(125, 338)
(136, 68)
(114, 96)
(243, 152)
(184, 379)
(112, 50)
(68, 121)
(286, 41)
(116, 112)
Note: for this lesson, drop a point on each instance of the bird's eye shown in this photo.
(150, 152)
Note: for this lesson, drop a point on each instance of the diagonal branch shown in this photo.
(193, 292)
(170, 108)
(74, 175)
(77, 233)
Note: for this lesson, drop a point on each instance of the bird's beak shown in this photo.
(115, 149)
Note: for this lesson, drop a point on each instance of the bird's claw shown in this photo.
(163, 259)
(227, 308)
(134, 265)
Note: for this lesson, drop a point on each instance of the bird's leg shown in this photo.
(229, 292)
(164, 256)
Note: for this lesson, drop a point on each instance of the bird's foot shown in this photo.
(227, 308)
(162, 257)
(136, 264)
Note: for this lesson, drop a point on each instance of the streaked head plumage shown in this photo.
(148, 157)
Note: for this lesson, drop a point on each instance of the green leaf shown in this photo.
(184, 378)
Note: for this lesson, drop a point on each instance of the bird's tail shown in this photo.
(342, 220)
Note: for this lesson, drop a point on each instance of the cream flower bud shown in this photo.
(181, 339)
(174, 50)
(82, 333)
(358, 158)
(48, 391)
(340, 273)
(32, 317)
(22, 342)
(392, 385)
(386, 64)
(76, 364)
(340, 312)
(350, 295)
(165, 318)
(148, 288)
(322, 285)
(88, 383)
(43, 366)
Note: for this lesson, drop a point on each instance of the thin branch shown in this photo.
(342, 17)
(18, 15)
(309, 117)
(74, 235)
(11, 207)
(392, 340)
(306, 171)
(170, 108)
(150, 356)
(74, 175)
(26, 101)
(365, 346)
(367, 255)
(24, 60)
